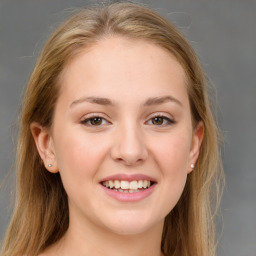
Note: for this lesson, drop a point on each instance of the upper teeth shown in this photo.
(124, 184)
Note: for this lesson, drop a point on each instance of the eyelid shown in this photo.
(93, 115)
(166, 116)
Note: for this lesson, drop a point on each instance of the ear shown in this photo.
(197, 139)
(44, 144)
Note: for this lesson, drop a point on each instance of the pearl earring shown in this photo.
(49, 165)
(192, 166)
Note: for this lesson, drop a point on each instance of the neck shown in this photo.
(95, 241)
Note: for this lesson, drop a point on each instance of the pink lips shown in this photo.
(129, 197)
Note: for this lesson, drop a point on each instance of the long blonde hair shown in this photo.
(41, 212)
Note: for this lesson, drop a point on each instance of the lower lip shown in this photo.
(129, 197)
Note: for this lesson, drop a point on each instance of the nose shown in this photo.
(129, 146)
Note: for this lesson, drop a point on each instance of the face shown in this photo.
(122, 136)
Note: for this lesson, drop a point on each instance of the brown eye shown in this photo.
(96, 121)
(158, 120)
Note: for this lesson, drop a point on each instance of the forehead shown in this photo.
(117, 66)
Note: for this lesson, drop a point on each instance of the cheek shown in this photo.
(79, 155)
(172, 157)
(173, 153)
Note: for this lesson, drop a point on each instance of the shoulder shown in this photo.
(48, 252)
(53, 250)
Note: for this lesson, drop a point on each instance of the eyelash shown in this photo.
(168, 121)
(88, 121)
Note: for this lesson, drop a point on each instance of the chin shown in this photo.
(129, 230)
(131, 225)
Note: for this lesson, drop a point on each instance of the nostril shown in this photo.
(129, 149)
(129, 161)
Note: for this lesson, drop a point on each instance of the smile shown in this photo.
(128, 187)
(125, 186)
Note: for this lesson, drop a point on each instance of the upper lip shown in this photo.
(128, 177)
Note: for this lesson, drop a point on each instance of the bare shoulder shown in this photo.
(46, 253)
(51, 251)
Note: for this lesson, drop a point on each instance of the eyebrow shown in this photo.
(95, 100)
(108, 102)
(161, 100)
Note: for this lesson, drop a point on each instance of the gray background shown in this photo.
(223, 33)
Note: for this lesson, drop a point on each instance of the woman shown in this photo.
(118, 148)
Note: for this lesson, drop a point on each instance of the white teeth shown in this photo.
(140, 183)
(134, 184)
(126, 186)
(133, 190)
(117, 184)
(111, 184)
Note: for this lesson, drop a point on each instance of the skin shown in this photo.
(127, 139)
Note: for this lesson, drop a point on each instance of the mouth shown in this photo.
(124, 186)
